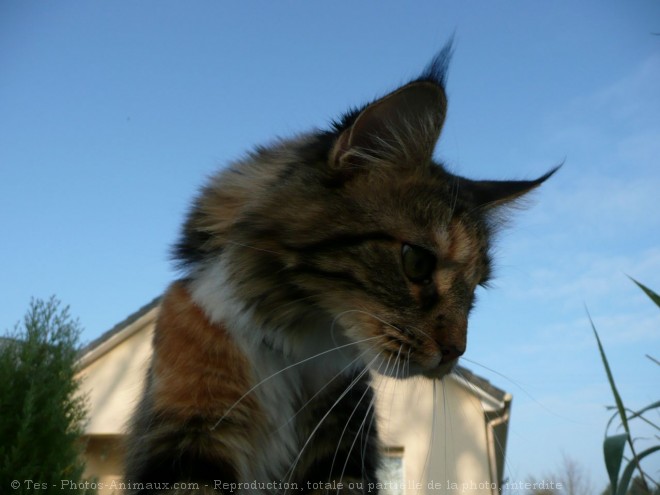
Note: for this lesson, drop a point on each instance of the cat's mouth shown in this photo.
(401, 357)
(402, 369)
(442, 370)
(400, 351)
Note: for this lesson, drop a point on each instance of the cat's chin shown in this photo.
(442, 370)
(415, 370)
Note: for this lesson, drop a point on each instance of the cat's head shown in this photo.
(357, 227)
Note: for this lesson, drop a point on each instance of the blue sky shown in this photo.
(113, 113)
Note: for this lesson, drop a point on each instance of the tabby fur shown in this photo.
(308, 265)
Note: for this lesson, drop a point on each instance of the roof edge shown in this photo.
(115, 335)
(470, 380)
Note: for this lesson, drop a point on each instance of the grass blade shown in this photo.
(610, 378)
(638, 414)
(634, 415)
(622, 489)
(652, 295)
(613, 463)
(619, 403)
(613, 450)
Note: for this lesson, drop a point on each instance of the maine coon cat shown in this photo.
(309, 264)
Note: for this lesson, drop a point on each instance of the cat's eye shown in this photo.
(418, 263)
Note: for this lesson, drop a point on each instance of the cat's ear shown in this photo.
(400, 128)
(489, 194)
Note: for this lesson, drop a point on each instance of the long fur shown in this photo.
(294, 292)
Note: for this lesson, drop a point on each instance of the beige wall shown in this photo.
(443, 434)
(112, 377)
(412, 418)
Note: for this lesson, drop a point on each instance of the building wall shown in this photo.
(113, 381)
(441, 434)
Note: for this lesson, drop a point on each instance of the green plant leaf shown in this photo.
(630, 469)
(612, 418)
(610, 378)
(613, 450)
(654, 297)
(633, 415)
(638, 414)
(613, 446)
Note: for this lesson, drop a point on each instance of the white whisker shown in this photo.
(445, 418)
(253, 388)
(483, 410)
(427, 462)
(380, 378)
(341, 372)
(253, 247)
(521, 388)
(357, 433)
(288, 475)
(369, 408)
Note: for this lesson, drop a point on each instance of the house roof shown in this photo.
(464, 374)
(482, 383)
(119, 327)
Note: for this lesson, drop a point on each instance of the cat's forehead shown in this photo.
(432, 202)
(437, 218)
(459, 241)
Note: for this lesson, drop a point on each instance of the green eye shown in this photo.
(418, 263)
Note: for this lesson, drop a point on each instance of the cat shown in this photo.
(308, 265)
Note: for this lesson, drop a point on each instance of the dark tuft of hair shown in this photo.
(436, 70)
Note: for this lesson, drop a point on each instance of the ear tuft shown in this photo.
(436, 70)
(400, 128)
(491, 194)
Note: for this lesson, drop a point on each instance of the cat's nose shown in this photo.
(452, 338)
(451, 352)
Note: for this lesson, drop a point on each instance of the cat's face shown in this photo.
(400, 260)
(417, 274)
(357, 227)
(415, 237)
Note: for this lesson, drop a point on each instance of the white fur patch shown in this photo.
(286, 373)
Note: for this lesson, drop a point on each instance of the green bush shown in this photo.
(41, 415)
